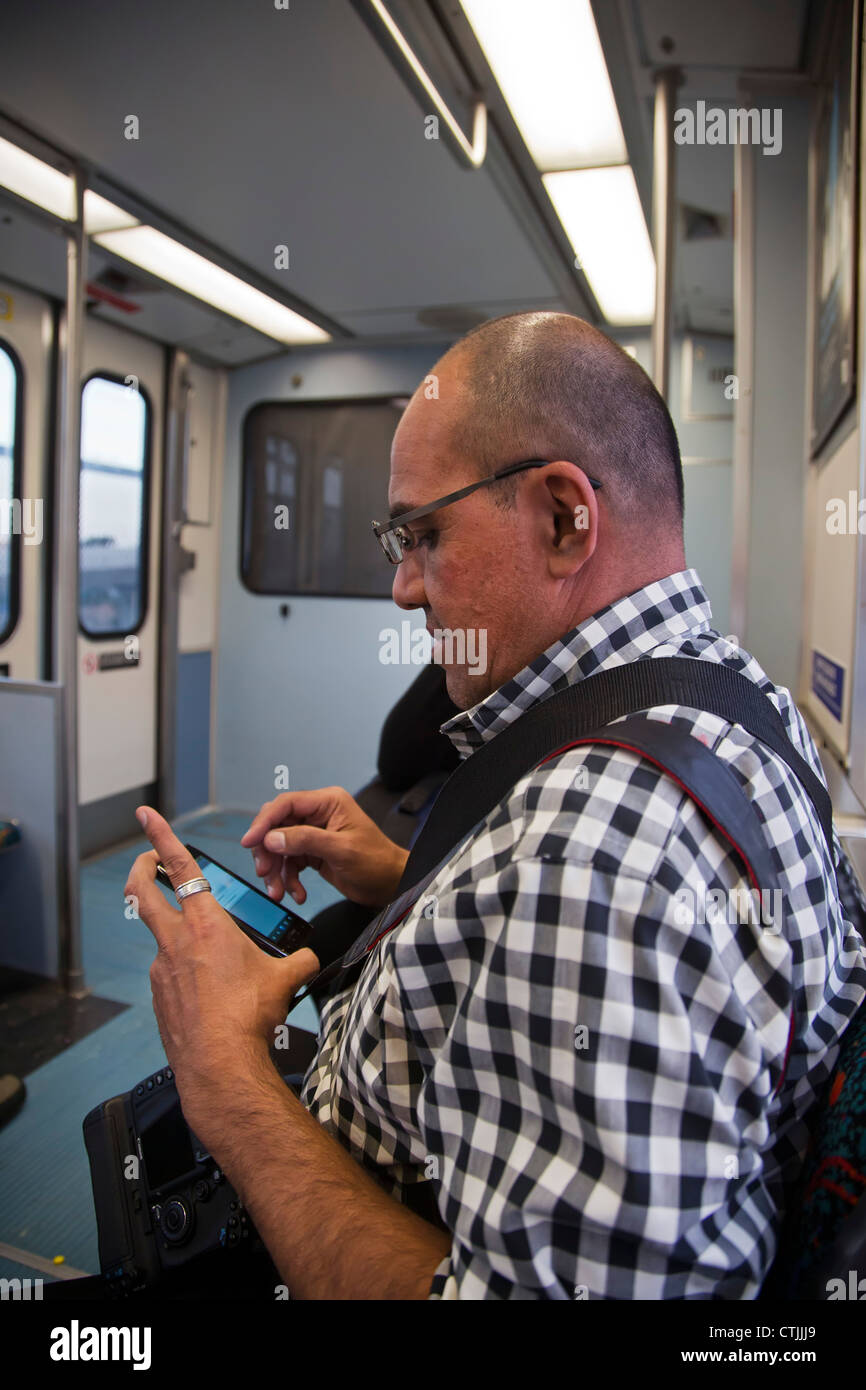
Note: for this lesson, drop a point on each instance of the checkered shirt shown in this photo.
(591, 1085)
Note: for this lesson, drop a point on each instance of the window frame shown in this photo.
(17, 480)
(102, 374)
(380, 398)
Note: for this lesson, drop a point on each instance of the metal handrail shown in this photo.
(473, 153)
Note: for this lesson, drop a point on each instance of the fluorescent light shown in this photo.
(547, 59)
(603, 219)
(120, 232)
(49, 188)
(102, 216)
(38, 182)
(188, 271)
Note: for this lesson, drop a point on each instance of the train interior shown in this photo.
(234, 240)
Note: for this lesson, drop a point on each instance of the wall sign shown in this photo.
(828, 683)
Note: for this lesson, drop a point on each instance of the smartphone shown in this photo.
(276, 929)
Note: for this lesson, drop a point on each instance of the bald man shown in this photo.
(549, 1084)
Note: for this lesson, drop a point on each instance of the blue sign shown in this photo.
(828, 683)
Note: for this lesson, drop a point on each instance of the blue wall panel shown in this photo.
(192, 771)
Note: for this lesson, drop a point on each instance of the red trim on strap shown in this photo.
(631, 748)
(373, 944)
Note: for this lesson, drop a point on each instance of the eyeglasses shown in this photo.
(396, 541)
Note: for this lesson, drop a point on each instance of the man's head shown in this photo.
(527, 558)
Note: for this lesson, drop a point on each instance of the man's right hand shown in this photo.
(324, 830)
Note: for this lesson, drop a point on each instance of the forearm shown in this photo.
(393, 866)
(332, 1232)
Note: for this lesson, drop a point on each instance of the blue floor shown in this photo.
(46, 1203)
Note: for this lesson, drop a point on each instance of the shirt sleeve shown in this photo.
(600, 1067)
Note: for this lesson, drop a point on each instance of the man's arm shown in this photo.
(331, 1230)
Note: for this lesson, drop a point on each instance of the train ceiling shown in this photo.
(262, 127)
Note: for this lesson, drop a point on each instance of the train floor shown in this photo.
(46, 1204)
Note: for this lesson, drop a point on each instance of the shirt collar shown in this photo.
(624, 631)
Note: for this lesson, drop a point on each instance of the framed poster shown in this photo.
(836, 224)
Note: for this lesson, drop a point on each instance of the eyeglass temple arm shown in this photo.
(379, 527)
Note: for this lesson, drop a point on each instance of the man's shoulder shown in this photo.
(599, 801)
(601, 804)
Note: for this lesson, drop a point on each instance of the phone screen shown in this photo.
(242, 901)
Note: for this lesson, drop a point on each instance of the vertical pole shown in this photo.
(177, 423)
(664, 198)
(744, 370)
(66, 600)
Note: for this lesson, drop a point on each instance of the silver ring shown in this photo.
(192, 885)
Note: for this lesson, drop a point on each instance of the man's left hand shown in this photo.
(217, 997)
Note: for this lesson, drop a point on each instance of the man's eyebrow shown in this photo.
(399, 508)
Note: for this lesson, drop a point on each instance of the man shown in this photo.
(604, 1100)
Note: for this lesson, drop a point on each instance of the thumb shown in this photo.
(298, 968)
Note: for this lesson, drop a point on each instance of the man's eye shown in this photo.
(410, 540)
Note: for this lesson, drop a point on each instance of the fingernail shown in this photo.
(142, 818)
(275, 840)
(257, 862)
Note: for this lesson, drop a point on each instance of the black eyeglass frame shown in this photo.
(381, 530)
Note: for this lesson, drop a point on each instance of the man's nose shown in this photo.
(408, 588)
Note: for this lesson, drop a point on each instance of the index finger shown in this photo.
(293, 808)
(288, 809)
(174, 857)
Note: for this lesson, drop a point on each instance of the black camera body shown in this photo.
(160, 1199)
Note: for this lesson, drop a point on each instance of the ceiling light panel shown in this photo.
(167, 259)
(603, 219)
(547, 59)
(102, 216)
(36, 181)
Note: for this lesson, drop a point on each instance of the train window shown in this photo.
(314, 476)
(113, 515)
(15, 509)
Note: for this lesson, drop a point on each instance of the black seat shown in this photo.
(414, 762)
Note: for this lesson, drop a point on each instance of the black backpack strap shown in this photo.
(484, 778)
(580, 714)
(707, 780)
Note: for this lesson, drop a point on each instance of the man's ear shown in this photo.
(572, 518)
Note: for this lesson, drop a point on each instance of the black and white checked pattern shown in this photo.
(589, 1082)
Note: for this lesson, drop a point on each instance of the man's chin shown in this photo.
(464, 688)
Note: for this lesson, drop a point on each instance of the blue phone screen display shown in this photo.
(242, 901)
